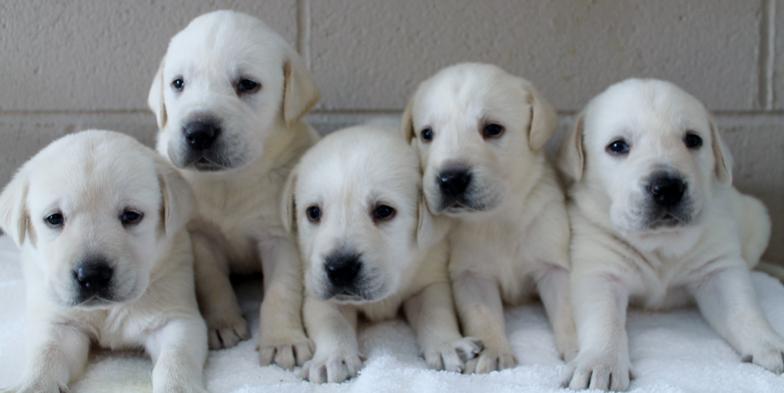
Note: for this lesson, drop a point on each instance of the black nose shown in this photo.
(343, 269)
(201, 134)
(454, 182)
(93, 277)
(666, 190)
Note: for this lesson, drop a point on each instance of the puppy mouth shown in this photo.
(204, 164)
(95, 302)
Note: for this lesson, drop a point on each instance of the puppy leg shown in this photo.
(727, 301)
(282, 338)
(482, 316)
(334, 332)
(432, 315)
(217, 300)
(600, 313)
(56, 354)
(179, 351)
(554, 290)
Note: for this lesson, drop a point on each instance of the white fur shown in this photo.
(619, 257)
(515, 244)
(91, 177)
(404, 260)
(239, 229)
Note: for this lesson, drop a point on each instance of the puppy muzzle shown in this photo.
(668, 202)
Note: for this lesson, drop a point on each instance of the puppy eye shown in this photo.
(130, 217)
(692, 140)
(246, 86)
(383, 213)
(492, 131)
(178, 84)
(314, 214)
(618, 147)
(55, 220)
(426, 134)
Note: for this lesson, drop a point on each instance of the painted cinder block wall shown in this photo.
(70, 65)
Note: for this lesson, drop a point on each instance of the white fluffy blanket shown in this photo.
(671, 352)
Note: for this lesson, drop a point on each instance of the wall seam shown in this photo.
(303, 30)
(764, 99)
(771, 64)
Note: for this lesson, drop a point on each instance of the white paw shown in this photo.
(453, 355)
(609, 370)
(334, 367)
(226, 331)
(286, 352)
(767, 351)
(492, 359)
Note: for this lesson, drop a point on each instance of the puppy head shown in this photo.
(477, 129)
(226, 83)
(355, 205)
(95, 211)
(652, 150)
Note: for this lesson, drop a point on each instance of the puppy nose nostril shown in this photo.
(454, 182)
(201, 134)
(667, 190)
(93, 277)
(343, 270)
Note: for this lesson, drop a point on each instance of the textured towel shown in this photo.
(672, 352)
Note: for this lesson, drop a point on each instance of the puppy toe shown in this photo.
(433, 360)
(580, 379)
(487, 363)
(337, 371)
(266, 354)
(452, 361)
(284, 357)
(770, 359)
(469, 348)
(600, 379)
(303, 352)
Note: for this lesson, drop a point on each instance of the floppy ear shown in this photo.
(430, 229)
(177, 198)
(288, 206)
(14, 216)
(407, 122)
(571, 157)
(299, 91)
(544, 120)
(155, 97)
(722, 156)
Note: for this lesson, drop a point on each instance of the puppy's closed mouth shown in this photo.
(207, 165)
(94, 301)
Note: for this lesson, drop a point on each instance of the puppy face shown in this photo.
(354, 202)
(226, 82)
(654, 152)
(476, 128)
(93, 211)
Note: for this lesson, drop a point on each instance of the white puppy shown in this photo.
(229, 97)
(480, 133)
(370, 246)
(657, 223)
(107, 260)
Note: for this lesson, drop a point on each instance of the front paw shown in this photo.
(453, 355)
(566, 344)
(226, 329)
(608, 370)
(286, 352)
(333, 367)
(492, 358)
(766, 352)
